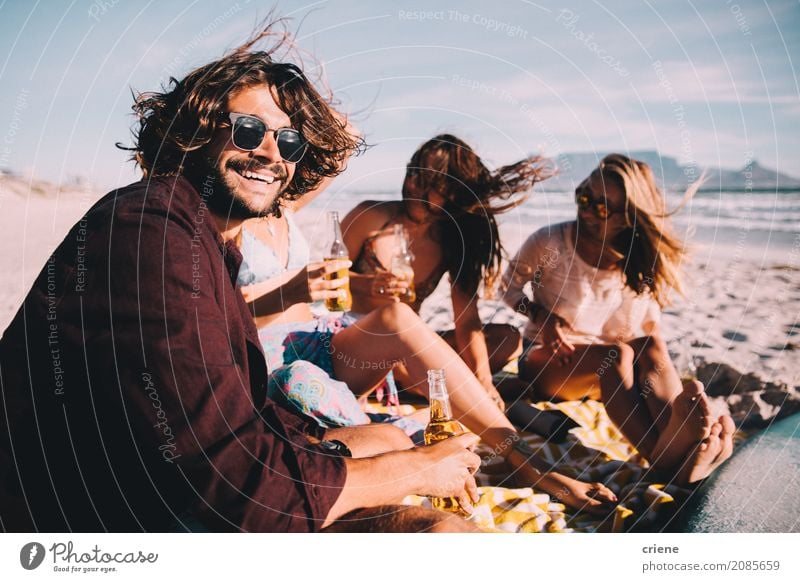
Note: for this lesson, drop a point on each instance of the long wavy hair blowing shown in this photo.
(176, 123)
(650, 253)
(474, 196)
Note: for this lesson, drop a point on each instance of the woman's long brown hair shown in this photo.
(474, 196)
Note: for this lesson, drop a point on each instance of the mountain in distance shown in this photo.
(672, 176)
(572, 168)
(29, 185)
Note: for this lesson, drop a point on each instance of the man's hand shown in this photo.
(443, 469)
(446, 469)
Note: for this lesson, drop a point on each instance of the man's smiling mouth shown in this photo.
(250, 175)
(260, 173)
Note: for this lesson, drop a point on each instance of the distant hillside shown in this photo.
(574, 167)
(11, 183)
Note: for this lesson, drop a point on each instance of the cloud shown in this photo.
(708, 84)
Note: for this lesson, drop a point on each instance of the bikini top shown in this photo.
(368, 262)
(259, 260)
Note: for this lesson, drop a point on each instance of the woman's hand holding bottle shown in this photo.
(381, 285)
(316, 279)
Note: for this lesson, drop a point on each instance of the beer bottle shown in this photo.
(338, 252)
(442, 426)
(401, 263)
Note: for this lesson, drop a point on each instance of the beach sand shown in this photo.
(741, 313)
(739, 320)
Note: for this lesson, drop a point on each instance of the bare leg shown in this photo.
(575, 381)
(681, 413)
(502, 341)
(371, 439)
(504, 344)
(602, 372)
(394, 334)
(656, 376)
(664, 421)
(689, 423)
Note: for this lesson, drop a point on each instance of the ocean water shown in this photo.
(762, 225)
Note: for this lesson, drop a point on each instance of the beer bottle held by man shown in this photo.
(442, 426)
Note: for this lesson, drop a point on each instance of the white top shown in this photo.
(596, 303)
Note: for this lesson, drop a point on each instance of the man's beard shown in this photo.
(221, 197)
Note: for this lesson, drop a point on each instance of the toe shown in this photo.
(702, 404)
(603, 493)
(728, 426)
(715, 449)
(692, 388)
(726, 437)
(710, 448)
(702, 413)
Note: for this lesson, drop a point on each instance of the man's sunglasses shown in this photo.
(584, 202)
(248, 132)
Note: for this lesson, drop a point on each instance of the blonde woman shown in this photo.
(597, 286)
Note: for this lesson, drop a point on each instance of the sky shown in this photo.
(710, 83)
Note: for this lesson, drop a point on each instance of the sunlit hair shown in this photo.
(175, 124)
(650, 253)
(474, 196)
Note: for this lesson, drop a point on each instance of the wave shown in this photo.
(765, 212)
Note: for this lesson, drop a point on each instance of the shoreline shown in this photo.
(741, 310)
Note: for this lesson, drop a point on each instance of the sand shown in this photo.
(741, 313)
(739, 322)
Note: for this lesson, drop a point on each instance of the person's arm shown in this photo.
(527, 266)
(444, 469)
(553, 335)
(360, 223)
(357, 226)
(470, 341)
(651, 323)
(652, 328)
(305, 285)
(520, 271)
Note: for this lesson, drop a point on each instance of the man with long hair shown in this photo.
(134, 387)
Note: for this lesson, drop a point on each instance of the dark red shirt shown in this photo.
(134, 385)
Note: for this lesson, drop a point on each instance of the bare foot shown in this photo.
(591, 497)
(709, 454)
(689, 423)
